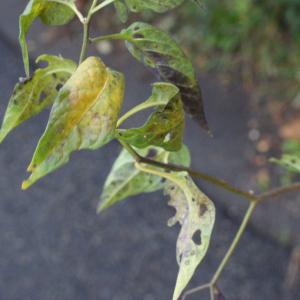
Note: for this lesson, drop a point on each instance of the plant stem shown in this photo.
(234, 243)
(83, 53)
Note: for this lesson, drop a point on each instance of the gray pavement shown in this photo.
(53, 246)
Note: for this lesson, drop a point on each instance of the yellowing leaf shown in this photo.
(33, 95)
(165, 127)
(126, 180)
(83, 116)
(196, 214)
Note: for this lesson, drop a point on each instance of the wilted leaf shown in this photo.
(31, 96)
(158, 50)
(165, 127)
(50, 13)
(289, 161)
(155, 5)
(126, 180)
(83, 116)
(122, 10)
(196, 214)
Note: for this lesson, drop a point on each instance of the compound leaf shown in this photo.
(50, 13)
(126, 180)
(165, 127)
(195, 212)
(83, 116)
(154, 5)
(31, 96)
(158, 50)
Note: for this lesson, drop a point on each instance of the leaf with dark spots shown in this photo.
(195, 212)
(83, 116)
(289, 161)
(126, 180)
(156, 49)
(165, 127)
(32, 95)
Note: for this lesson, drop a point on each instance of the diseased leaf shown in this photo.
(122, 10)
(289, 161)
(50, 13)
(158, 50)
(31, 96)
(165, 127)
(126, 180)
(196, 214)
(83, 116)
(159, 6)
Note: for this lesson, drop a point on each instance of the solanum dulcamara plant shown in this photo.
(86, 100)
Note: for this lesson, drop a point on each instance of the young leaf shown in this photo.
(122, 10)
(158, 50)
(155, 5)
(50, 13)
(31, 96)
(164, 127)
(83, 116)
(196, 214)
(126, 180)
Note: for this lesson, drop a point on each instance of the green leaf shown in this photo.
(31, 96)
(122, 10)
(50, 13)
(158, 50)
(195, 212)
(165, 127)
(155, 5)
(289, 161)
(126, 180)
(83, 116)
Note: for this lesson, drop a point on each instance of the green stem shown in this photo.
(83, 53)
(115, 36)
(234, 243)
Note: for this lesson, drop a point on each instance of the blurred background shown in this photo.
(53, 246)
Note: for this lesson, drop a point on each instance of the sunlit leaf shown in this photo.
(165, 127)
(122, 10)
(32, 95)
(126, 180)
(83, 116)
(158, 50)
(289, 161)
(155, 5)
(195, 212)
(50, 13)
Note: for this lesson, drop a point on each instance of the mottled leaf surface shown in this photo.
(126, 180)
(50, 13)
(159, 6)
(289, 161)
(122, 10)
(165, 127)
(83, 116)
(158, 50)
(195, 212)
(31, 96)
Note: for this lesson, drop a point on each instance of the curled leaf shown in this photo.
(165, 126)
(195, 212)
(158, 50)
(126, 180)
(50, 13)
(31, 96)
(83, 116)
